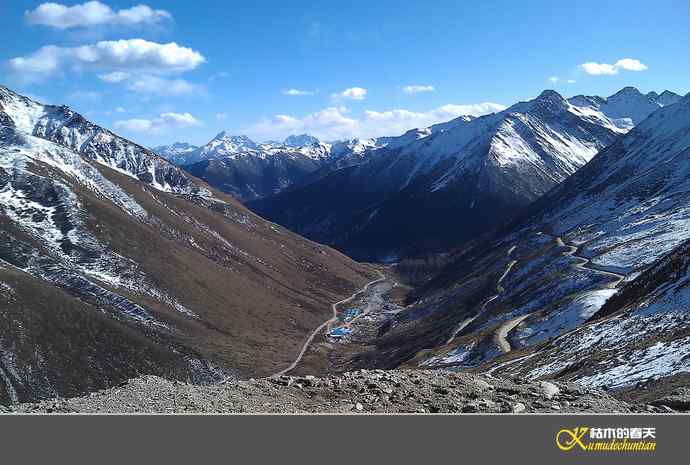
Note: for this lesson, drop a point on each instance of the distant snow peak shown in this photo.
(239, 141)
(627, 107)
(356, 147)
(223, 145)
(628, 91)
(176, 153)
(67, 128)
(550, 95)
(300, 140)
(183, 146)
(551, 101)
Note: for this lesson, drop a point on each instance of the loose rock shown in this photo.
(417, 391)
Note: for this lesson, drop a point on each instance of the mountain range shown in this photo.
(587, 284)
(445, 185)
(114, 263)
(562, 228)
(249, 170)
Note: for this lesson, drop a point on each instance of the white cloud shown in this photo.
(353, 93)
(180, 119)
(337, 123)
(147, 84)
(571, 81)
(400, 120)
(630, 64)
(115, 76)
(416, 89)
(135, 125)
(605, 69)
(120, 110)
(93, 13)
(221, 116)
(133, 55)
(599, 69)
(554, 79)
(162, 123)
(156, 85)
(298, 92)
(329, 123)
(44, 61)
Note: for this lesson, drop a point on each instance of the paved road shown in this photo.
(328, 323)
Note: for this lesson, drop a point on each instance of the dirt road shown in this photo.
(327, 323)
(482, 309)
(586, 264)
(501, 335)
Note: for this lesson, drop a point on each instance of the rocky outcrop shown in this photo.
(375, 391)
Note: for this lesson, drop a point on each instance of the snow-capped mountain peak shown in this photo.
(551, 97)
(176, 153)
(352, 146)
(232, 143)
(627, 107)
(627, 92)
(63, 126)
(248, 170)
(19, 112)
(300, 140)
(446, 177)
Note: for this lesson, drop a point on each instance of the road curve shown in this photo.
(499, 290)
(501, 335)
(586, 264)
(327, 323)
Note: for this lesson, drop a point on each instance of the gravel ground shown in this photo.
(377, 391)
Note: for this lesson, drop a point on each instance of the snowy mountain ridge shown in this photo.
(113, 262)
(593, 283)
(65, 127)
(542, 134)
(628, 106)
(455, 171)
(176, 153)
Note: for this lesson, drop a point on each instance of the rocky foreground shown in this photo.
(377, 391)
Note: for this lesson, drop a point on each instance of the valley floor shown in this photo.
(328, 324)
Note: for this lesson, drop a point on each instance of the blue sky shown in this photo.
(162, 71)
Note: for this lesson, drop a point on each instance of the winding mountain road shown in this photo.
(327, 324)
(482, 309)
(586, 263)
(501, 335)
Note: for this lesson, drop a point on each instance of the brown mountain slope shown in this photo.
(113, 263)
